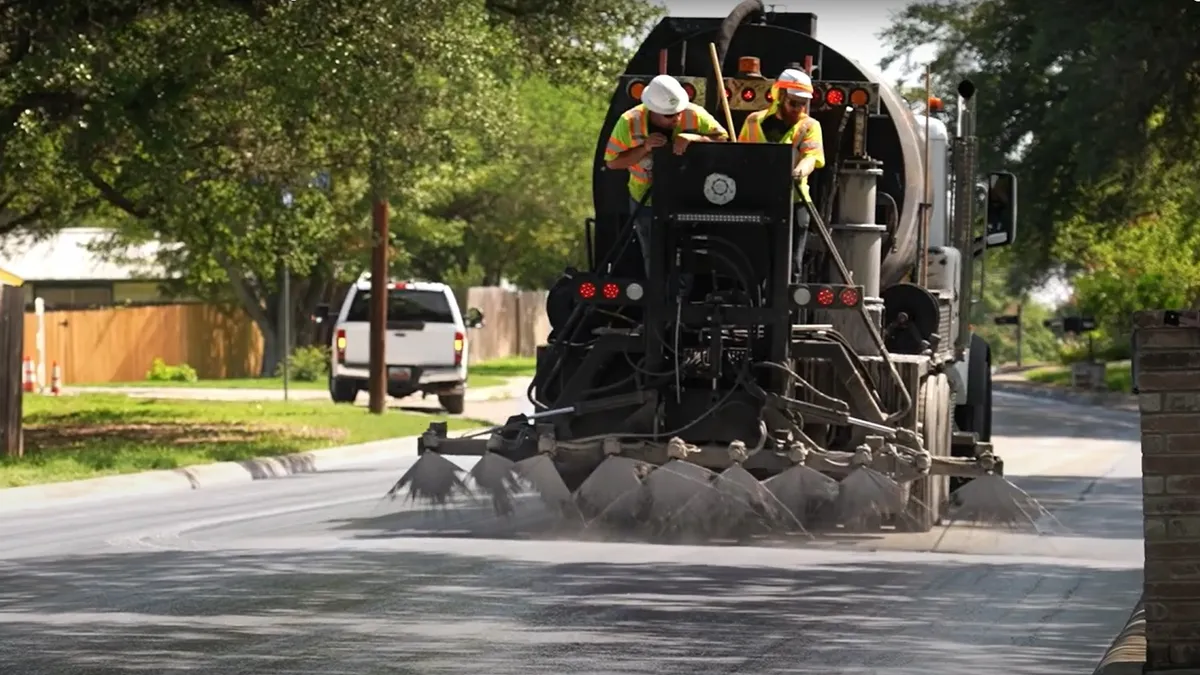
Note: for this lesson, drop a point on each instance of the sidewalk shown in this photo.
(1013, 382)
(513, 388)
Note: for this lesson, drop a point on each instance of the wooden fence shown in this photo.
(514, 323)
(119, 344)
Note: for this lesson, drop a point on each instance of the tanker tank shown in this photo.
(680, 48)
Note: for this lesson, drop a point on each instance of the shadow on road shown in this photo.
(475, 610)
(1035, 418)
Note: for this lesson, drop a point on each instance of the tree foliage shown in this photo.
(1096, 105)
(1153, 262)
(251, 136)
(1038, 343)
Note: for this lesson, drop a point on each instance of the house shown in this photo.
(66, 273)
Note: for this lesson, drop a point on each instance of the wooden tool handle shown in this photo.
(716, 64)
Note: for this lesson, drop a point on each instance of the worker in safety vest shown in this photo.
(786, 120)
(664, 116)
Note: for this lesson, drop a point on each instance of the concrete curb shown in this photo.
(1127, 653)
(1113, 400)
(185, 479)
(515, 387)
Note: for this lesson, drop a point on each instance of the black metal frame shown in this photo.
(678, 224)
(670, 244)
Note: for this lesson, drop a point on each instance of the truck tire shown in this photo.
(453, 403)
(342, 390)
(977, 415)
(927, 495)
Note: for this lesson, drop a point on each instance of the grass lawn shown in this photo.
(1117, 376)
(487, 374)
(89, 435)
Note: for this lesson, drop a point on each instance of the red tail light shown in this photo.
(341, 345)
(460, 343)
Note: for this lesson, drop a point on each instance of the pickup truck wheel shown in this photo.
(453, 403)
(342, 390)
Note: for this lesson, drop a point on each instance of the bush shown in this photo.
(1105, 348)
(306, 364)
(161, 372)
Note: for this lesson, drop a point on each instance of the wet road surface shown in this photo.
(314, 574)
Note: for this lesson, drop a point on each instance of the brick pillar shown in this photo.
(1167, 354)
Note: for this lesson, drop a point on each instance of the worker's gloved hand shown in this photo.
(656, 140)
(682, 141)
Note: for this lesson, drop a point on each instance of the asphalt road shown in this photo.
(313, 574)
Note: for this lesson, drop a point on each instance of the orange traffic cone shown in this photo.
(56, 380)
(27, 383)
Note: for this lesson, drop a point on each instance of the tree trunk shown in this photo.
(270, 356)
(262, 310)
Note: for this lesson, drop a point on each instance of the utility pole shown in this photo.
(286, 292)
(379, 304)
(1020, 331)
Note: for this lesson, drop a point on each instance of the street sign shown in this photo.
(1078, 324)
(1053, 323)
(1008, 320)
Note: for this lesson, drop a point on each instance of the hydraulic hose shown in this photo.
(876, 337)
(571, 327)
(729, 26)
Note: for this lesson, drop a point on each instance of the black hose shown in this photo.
(729, 26)
(831, 191)
(736, 250)
(627, 233)
(742, 274)
(893, 220)
(572, 325)
(587, 241)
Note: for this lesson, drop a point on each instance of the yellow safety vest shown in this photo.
(804, 136)
(632, 129)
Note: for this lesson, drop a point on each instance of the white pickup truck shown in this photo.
(426, 343)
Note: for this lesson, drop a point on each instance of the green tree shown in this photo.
(517, 211)
(1038, 342)
(186, 123)
(580, 43)
(1153, 262)
(1071, 96)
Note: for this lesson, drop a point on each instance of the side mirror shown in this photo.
(1001, 209)
(474, 318)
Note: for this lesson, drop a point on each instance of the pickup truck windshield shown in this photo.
(404, 305)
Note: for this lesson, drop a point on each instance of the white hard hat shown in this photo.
(796, 83)
(665, 96)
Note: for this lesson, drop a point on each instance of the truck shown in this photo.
(426, 346)
(723, 379)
